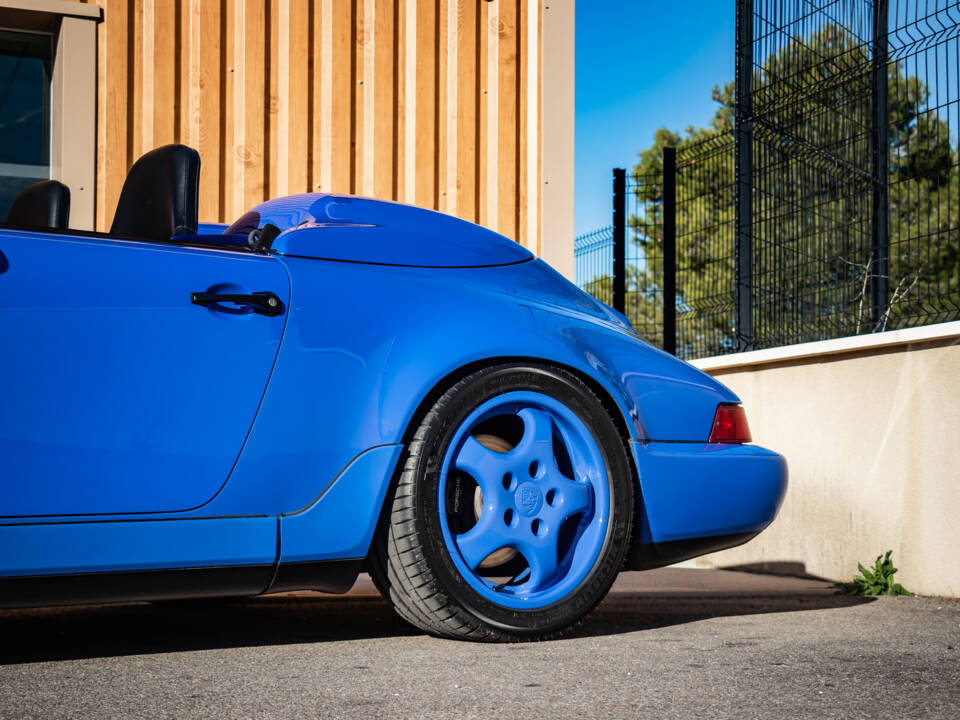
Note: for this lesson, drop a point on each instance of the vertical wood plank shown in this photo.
(405, 100)
(277, 73)
(489, 124)
(467, 90)
(523, 119)
(311, 101)
(323, 98)
(185, 64)
(536, 128)
(289, 96)
(482, 128)
(423, 121)
(383, 109)
(341, 92)
(256, 103)
(113, 107)
(249, 104)
(141, 127)
(201, 127)
(449, 105)
(238, 115)
(506, 178)
(228, 199)
(296, 96)
(366, 71)
(161, 102)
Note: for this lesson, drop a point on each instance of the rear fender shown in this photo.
(345, 382)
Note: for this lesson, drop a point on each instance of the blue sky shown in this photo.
(641, 65)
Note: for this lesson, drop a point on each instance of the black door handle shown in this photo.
(262, 303)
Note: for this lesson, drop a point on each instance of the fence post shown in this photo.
(743, 169)
(880, 280)
(619, 240)
(670, 250)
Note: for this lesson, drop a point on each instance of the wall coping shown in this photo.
(826, 348)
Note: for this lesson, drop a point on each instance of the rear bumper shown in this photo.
(699, 498)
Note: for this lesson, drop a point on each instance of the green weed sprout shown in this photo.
(878, 581)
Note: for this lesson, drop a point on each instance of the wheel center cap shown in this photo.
(528, 498)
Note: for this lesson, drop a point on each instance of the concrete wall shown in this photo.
(870, 427)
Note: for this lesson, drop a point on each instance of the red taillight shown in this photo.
(730, 425)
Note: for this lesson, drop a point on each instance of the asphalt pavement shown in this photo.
(670, 643)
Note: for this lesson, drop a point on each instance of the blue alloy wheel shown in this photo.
(547, 498)
(512, 511)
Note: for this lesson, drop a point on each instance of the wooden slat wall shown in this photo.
(429, 102)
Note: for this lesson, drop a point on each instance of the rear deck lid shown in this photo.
(356, 229)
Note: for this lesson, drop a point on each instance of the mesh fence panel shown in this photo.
(854, 200)
(846, 241)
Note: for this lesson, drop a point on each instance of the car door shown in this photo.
(125, 387)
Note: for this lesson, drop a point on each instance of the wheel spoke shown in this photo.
(537, 440)
(484, 465)
(541, 556)
(482, 539)
(575, 497)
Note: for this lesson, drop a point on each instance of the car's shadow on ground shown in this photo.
(628, 612)
(51, 634)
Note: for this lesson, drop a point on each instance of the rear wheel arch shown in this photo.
(427, 400)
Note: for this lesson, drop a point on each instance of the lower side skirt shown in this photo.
(333, 576)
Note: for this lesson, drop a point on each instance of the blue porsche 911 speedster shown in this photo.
(333, 385)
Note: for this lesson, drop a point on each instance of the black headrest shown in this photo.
(44, 204)
(159, 196)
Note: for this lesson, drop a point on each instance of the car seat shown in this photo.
(44, 204)
(160, 195)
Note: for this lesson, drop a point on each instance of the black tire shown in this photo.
(410, 562)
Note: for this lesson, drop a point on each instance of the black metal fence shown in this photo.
(678, 249)
(832, 207)
(594, 263)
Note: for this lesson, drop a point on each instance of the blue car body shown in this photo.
(152, 447)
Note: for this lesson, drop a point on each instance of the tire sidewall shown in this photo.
(457, 405)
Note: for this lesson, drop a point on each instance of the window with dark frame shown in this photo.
(26, 62)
